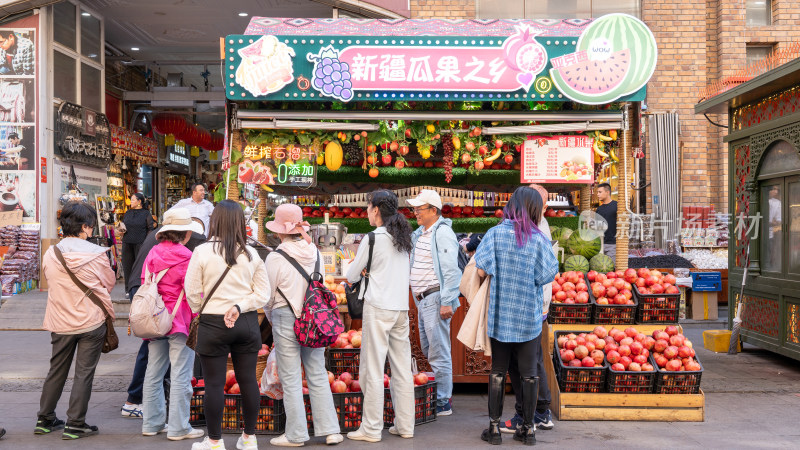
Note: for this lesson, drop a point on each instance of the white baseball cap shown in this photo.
(427, 197)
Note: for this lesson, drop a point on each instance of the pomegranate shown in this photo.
(626, 341)
(611, 347)
(582, 352)
(613, 357)
(339, 387)
(647, 367)
(634, 367)
(590, 346)
(624, 350)
(661, 361)
(331, 378)
(600, 332)
(581, 340)
(636, 348)
(346, 377)
(597, 356)
(601, 344)
(671, 330)
(625, 361)
(568, 356)
(673, 365)
(640, 337)
(575, 363)
(640, 359)
(618, 367)
(561, 341)
(587, 362)
(677, 340)
(671, 352)
(355, 386)
(420, 379)
(684, 352)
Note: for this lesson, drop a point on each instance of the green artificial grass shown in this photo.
(463, 225)
(418, 176)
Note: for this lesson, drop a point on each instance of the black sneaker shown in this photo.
(2, 432)
(44, 426)
(78, 431)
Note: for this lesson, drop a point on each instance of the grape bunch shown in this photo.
(332, 78)
(447, 143)
(352, 153)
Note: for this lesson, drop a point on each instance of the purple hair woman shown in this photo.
(520, 260)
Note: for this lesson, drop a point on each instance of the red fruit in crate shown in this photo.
(331, 378)
(386, 380)
(647, 367)
(591, 337)
(636, 348)
(581, 352)
(587, 362)
(571, 344)
(625, 361)
(669, 278)
(611, 275)
(581, 340)
(611, 291)
(643, 272)
(620, 299)
(634, 367)
(640, 359)
(201, 383)
(639, 337)
(562, 340)
(657, 289)
(598, 290)
(600, 344)
(355, 386)
(640, 282)
(630, 275)
(194, 381)
(338, 387)
(574, 363)
(591, 275)
(660, 345)
(600, 278)
(618, 336)
(693, 366)
(672, 290)
(420, 379)
(624, 350)
(235, 389)
(671, 352)
(684, 352)
(568, 356)
(600, 332)
(597, 356)
(626, 341)
(590, 346)
(618, 367)
(661, 361)
(648, 343)
(346, 377)
(582, 297)
(677, 340)
(619, 283)
(581, 287)
(230, 378)
(673, 365)
(613, 356)
(661, 335)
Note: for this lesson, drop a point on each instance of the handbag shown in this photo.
(111, 341)
(354, 294)
(191, 340)
(149, 317)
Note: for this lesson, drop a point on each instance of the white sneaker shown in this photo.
(206, 444)
(393, 430)
(153, 433)
(193, 433)
(333, 439)
(359, 435)
(247, 443)
(132, 411)
(283, 441)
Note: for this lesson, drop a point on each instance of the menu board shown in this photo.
(278, 166)
(557, 159)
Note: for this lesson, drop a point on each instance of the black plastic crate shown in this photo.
(578, 379)
(424, 405)
(630, 382)
(349, 408)
(656, 308)
(569, 313)
(340, 360)
(271, 416)
(613, 314)
(682, 382)
(197, 416)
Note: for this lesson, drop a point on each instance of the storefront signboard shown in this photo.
(178, 158)
(278, 166)
(557, 159)
(72, 142)
(611, 58)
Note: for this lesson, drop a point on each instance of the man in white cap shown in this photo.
(435, 279)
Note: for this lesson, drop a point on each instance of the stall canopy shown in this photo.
(346, 60)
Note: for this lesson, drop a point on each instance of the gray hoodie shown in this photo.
(284, 276)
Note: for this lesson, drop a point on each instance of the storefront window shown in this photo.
(793, 199)
(759, 13)
(772, 229)
(64, 82)
(64, 24)
(558, 9)
(90, 87)
(555, 9)
(90, 36)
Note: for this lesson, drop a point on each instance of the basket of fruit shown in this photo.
(612, 298)
(628, 353)
(424, 400)
(345, 354)
(337, 289)
(347, 398)
(679, 371)
(271, 417)
(197, 416)
(569, 302)
(580, 366)
(658, 297)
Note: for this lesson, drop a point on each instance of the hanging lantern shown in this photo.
(216, 143)
(170, 125)
(203, 140)
(188, 135)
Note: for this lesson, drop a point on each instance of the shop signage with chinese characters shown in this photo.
(557, 159)
(278, 166)
(525, 60)
(76, 146)
(178, 157)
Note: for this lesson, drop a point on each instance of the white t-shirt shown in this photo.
(423, 277)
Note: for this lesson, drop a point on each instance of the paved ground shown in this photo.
(752, 401)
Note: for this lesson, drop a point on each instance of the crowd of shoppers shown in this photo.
(222, 282)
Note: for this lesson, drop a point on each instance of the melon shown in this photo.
(605, 37)
(584, 244)
(576, 263)
(593, 78)
(333, 156)
(601, 263)
(560, 234)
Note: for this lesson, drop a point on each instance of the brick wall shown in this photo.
(442, 9)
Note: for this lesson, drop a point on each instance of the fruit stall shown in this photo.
(323, 111)
(763, 111)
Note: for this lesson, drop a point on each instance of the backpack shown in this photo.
(149, 318)
(463, 259)
(319, 324)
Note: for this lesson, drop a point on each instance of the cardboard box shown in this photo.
(704, 306)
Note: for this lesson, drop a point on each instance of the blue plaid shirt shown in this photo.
(518, 274)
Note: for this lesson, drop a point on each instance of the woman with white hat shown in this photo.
(170, 255)
(287, 297)
(226, 283)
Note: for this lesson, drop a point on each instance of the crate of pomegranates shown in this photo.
(679, 371)
(579, 365)
(628, 355)
(612, 297)
(657, 295)
(424, 400)
(569, 302)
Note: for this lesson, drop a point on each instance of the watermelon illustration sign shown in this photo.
(557, 159)
(527, 63)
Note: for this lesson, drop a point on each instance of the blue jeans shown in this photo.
(163, 352)
(289, 355)
(434, 340)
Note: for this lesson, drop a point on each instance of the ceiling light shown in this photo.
(242, 14)
(85, 14)
(135, 49)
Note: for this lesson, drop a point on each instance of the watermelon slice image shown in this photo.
(597, 78)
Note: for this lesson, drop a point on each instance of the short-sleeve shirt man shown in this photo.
(202, 210)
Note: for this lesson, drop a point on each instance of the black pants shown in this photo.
(214, 342)
(129, 252)
(524, 356)
(88, 346)
(543, 402)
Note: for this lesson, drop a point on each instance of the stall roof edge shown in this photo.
(759, 87)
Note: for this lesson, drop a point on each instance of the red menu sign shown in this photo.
(557, 159)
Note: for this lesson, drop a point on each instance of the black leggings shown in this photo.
(214, 369)
(525, 354)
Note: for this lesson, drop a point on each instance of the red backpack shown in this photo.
(319, 324)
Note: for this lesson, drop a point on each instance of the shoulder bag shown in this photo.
(355, 295)
(191, 340)
(111, 341)
(149, 317)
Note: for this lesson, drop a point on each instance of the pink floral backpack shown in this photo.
(319, 324)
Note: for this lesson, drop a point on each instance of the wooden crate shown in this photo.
(634, 407)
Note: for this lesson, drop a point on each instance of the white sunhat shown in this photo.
(427, 197)
(178, 219)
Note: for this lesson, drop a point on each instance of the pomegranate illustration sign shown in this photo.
(437, 60)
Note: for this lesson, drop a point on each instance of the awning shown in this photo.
(322, 60)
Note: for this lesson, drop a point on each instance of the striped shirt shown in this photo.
(423, 276)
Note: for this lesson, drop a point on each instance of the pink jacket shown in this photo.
(68, 309)
(175, 257)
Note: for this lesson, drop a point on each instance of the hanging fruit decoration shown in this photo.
(333, 156)
(170, 125)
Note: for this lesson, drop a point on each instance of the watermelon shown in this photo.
(560, 234)
(576, 263)
(596, 78)
(584, 244)
(601, 263)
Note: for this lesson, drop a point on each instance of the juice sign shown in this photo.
(278, 166)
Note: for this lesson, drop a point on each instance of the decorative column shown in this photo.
(586, 198)
(624, 190)
(262, 215)
(232, 174)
